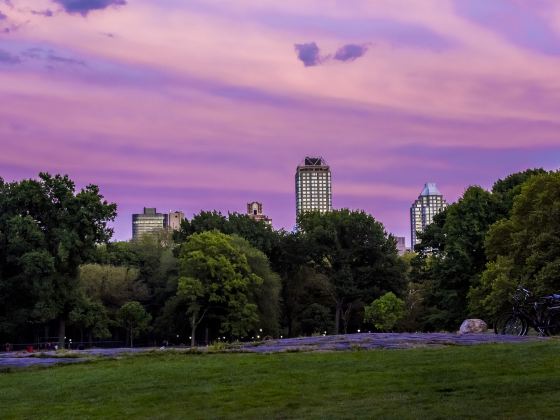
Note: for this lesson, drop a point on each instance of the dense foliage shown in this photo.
(47, 231)
(457, 255)
(235, 278)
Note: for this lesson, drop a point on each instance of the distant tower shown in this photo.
(255, 211)
(174, 220)
(313, 186)
(429, 203)
(149, 221)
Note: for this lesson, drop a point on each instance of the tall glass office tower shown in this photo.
(429, 203)
(313, 186)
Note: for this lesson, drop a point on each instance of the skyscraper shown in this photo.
(255, 212)
(429, 203)
(149, 221)
(313, 186)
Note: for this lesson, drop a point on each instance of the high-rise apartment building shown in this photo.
(255, 212)
(429, 203)
(149, 221)
(313, 186)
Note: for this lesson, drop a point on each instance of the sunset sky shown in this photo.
(206, 104)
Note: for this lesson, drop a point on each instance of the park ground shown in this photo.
(505, 380)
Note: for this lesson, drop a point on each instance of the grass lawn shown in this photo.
(500, 381)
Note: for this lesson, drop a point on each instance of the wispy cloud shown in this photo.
(8, 58)
(350, 52)
(83, 7)
(45, 13)
(308, 54)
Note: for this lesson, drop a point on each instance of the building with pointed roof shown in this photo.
(429, 203)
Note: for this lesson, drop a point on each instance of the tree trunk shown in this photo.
(337, 317)
(193, 331)
(131, 336)
(61, 332)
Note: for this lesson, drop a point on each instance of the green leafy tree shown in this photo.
(216, 278)
(90, 317)
(134, 319)
(385, 312)
(355, 253)
(47, 231)
(111, 285)
(258, 233)
(525, 248)
(267, 294)
(451, 257)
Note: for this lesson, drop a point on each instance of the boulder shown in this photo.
(470, 326)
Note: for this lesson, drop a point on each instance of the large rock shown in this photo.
(470, 326)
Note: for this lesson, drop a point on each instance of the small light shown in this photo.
(281, 337)
(358, 330)
(260, 329)
(258, 336)
(190, 337)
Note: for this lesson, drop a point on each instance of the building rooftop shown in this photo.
(313, 161)
(430, 189)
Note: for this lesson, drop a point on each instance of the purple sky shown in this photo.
(207, 104)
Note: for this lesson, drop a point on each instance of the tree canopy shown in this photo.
(524, 248)
(46, 231)
(216, 281)
(357, 256)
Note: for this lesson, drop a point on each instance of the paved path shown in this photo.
(319, 343)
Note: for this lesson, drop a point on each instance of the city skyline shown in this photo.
(209, 105)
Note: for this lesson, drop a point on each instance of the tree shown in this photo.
(110, 285)
(525, 248)
(92, 317)
(216, 278)
(267, 294)
(357, 256)
(385, 312)
(134, 319)
(47, 231)
(258, 233)
(451, 257)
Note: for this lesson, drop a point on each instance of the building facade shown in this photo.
(149, 221)
(429, 203)
(174, 220)
(255, 212)
(313, 186)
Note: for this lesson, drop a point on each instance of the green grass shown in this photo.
(499, 381)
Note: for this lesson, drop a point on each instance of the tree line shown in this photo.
(231, 277)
